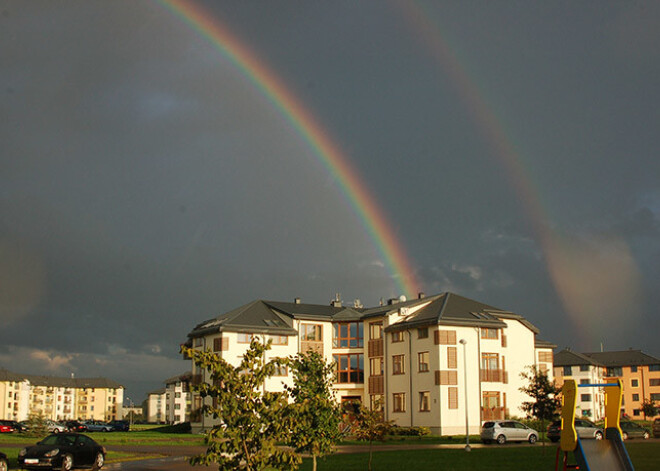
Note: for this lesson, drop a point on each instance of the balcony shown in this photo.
(309, 345)
(493, 413)
(375, 348)
(494, 376)
(376, 384)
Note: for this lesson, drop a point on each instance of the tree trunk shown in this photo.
(313, 462)
(370, 454)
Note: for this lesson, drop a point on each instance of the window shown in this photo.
(634, 383)
(398, 402)
(221, 344)
(636, 412)
(423, 333)
(244, 337)
(584, 368)
(398, 367)
(350, 368)
(199, 341)
(177, 406)
(633, 369)
(568, 371)
(654, 367)
(490, 361)
(377, 401)
(397, 336)
(281, 370)
(424, 401)
(311, 332)
(280, 339)
(614, 371)
(635, 397)
(489, 333)
(585, 397)
(375, 330)
(654, 382)
(584, 381)
(347, 335)
(655, 397)
(423, 361)
(177, 394)
(376, 366)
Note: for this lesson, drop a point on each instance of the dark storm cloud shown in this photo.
(146, 185)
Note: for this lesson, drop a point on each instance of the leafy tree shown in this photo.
(370, 426)
(649, 408)
(318, 414)
(253, 421)
(36, 426)
(545, 401)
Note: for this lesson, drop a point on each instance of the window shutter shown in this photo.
(451, 357)
(453, 398)
(445, 337)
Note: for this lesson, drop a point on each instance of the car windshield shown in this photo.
(59, 440)
(489, 424)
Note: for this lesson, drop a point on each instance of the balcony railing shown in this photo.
(493, 413)
(375, 348)
(310, 345)
(376, 384)
(494, 376)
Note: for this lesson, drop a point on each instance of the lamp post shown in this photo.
(467, 428)
(130, 411)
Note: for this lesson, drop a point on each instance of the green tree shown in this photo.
(370, 426)
(252, 421)
(317, 411)
(545, 401)
(36, 426)
(649, 408)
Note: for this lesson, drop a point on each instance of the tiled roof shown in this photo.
(570, 358)
(624, 358)
(60, 382)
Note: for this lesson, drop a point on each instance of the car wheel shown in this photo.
(624, 436)
(67, 463)
(599, 436)
(646, 435)
(98, 462)
(3, 465)
(532, 439)
(501, 439)
(55, 431)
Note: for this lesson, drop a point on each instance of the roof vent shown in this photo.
(421, 295)
(337, 301)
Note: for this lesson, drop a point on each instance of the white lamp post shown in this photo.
(467, 428)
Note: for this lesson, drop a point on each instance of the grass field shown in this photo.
(645, 457)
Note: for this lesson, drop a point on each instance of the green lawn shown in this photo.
(645, 457)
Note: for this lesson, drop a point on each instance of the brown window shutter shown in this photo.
(451, 337)
(451, 357)
(452, 377)
(503, 339)
(453, 398)
(217, 344)
(445, 337)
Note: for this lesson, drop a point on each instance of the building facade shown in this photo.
(156, 407)
(59, 398)
(590, 402)
(177, 399)
(427, 362)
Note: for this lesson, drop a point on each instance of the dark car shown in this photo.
(631, 429)
(583, 427)
(75, 426)
(18, 426)
(3, 462)
(63, 451)
(656, 428)
(120, 425)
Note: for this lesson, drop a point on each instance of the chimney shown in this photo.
(421, 295)
(337, 301)
(296, 300)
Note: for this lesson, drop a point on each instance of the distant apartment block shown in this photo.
(156, 403)
(59, 398)
(413, 359)
(638, 372)
(172, 404)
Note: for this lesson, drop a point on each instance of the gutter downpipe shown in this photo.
(410, 371)
(481, 411)
(385, 374)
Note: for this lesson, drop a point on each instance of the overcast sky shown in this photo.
(146, 184)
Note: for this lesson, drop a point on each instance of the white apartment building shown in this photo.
(428, 362)
(177, 399)
(156, 406)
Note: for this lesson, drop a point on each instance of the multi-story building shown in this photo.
(59, 398)
(177, 399)
(590, 402)
(431, 362)
(156, 406)
(639, 374)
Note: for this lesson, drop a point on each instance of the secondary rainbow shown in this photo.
(309, 129)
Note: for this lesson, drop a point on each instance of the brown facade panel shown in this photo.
(375, 348)
(376, 384)
(445, 337)
(446, 377)
(311, 346)
(453, 398)
(452, 357)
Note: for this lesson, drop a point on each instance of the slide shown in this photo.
(608, 454)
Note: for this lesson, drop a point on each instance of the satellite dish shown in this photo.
(402, 298)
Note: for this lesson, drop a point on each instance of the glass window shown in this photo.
(489, 333)
(614, 371)
(584, 368)
(398, 364)
(654, 367)
(376, 366)
(424, 401)
(568, 371)
(634, 383)
(376, 330)
(423, 333)
(636, 397)
(397, 336)
(243, 337)
(398, 402)
(350, 368)
(633, 369)
(585, 397)
(348, 335)
(311, 332)
(279, 339)
(423, 361)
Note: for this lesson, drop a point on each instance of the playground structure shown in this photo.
(609, 454)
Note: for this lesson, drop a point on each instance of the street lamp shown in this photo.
(130, 411)
(467, 429)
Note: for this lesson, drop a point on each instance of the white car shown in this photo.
(54, 427)
(502, 431)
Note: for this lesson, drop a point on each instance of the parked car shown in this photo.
(631, 429)
(75, 426)
(584, 428)
(62, 451)
(4, 466)
(97, 426)
(55, 427)
(6, 427)
(502, 431)
(120, 425)
(656, 428)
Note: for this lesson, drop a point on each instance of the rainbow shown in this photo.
(310, 130)
(596, 279)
